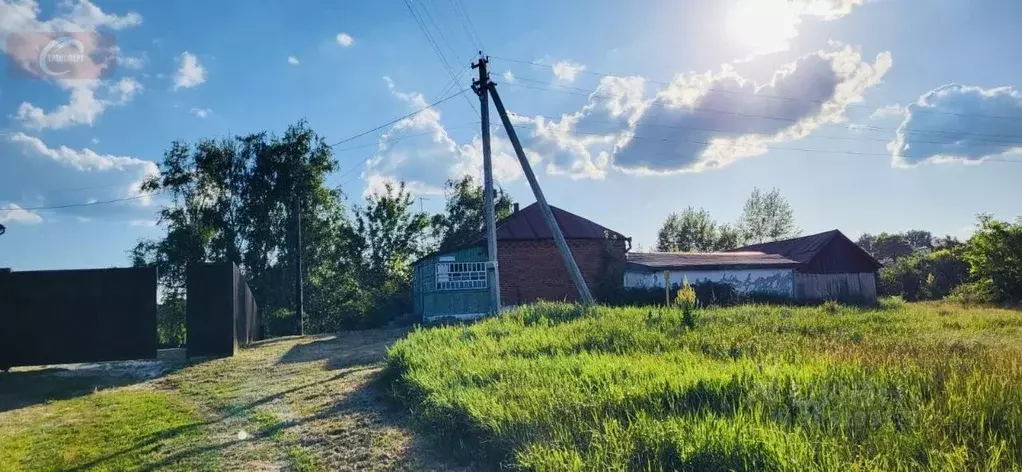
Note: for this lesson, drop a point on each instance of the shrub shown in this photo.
(974, 293)
(994, 255)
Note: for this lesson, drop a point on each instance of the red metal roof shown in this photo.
(528, 223)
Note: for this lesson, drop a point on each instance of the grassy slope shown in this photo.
(302, 404)
(548, 387)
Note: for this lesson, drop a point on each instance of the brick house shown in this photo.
(455, 282)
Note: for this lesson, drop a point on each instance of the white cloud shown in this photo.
(143, 223)
(894, 109)
(89, 99)
(88, 16)
(971, 123)
(768, 26)
(509, 77)
(87, 160)
(292, 60)
(190, 72)
(701, 121)
(12, 213)
(201, 112)
(132, 62)
(566, 71)
(345, 40)
(425, 166)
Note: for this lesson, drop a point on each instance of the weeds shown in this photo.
(756, 387)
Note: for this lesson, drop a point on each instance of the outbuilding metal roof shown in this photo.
(653, 261)
(801, 249)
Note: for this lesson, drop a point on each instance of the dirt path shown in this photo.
(307, 403)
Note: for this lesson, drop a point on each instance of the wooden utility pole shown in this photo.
(299, 292)
(548, 215)
(481, 87)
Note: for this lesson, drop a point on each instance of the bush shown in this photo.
(994, 255)
(974, 293)
(924, 276)
(280, 322)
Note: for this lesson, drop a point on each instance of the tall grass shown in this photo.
(755, 387)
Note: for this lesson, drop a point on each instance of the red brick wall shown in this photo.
(534, 270)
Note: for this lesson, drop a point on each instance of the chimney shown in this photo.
(516, 208)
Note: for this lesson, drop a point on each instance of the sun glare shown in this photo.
(763, 25)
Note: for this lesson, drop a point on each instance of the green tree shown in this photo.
(767, 216)
(887, 247)
(390, 236)
(994, 254)
(691, 230)
(463, 216)
(236, 200)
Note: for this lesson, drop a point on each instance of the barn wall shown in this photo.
(852, 287)
(777, 281)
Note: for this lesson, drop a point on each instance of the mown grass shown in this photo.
(126, 430)
(558, 387)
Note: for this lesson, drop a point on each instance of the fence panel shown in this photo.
(69, 316)
(220, 312)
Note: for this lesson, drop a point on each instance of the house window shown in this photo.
(460, 275)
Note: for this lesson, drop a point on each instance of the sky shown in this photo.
(867, 115)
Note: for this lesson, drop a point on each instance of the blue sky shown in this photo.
(881, 115)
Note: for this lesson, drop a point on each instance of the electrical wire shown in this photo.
(748, 132)
(466, 23)
(404, 133)
(773, 148)
(86, 204)
(395, 120)
(1002, 139)
(435, 46)
(777, 97)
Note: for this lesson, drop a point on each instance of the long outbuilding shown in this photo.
(823, 266)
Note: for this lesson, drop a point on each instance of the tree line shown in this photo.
(985, 268)
(237, 200)
(766, 216)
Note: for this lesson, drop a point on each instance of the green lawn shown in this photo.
(554, 387)
(296, 404)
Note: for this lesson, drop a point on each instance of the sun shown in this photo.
(763, 25)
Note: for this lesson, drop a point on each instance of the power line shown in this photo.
(466, 23)
(363, 146)
(403, 134)
(777, 97)
(86, 204)
(435, 46)
(774, 148)
(1000, 138)
(416, 112)
(748, 132)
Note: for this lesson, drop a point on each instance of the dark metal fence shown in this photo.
(221, 312)
(68, 316)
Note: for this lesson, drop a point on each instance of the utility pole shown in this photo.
(299, 293)
(548, 215)
(482, 87)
